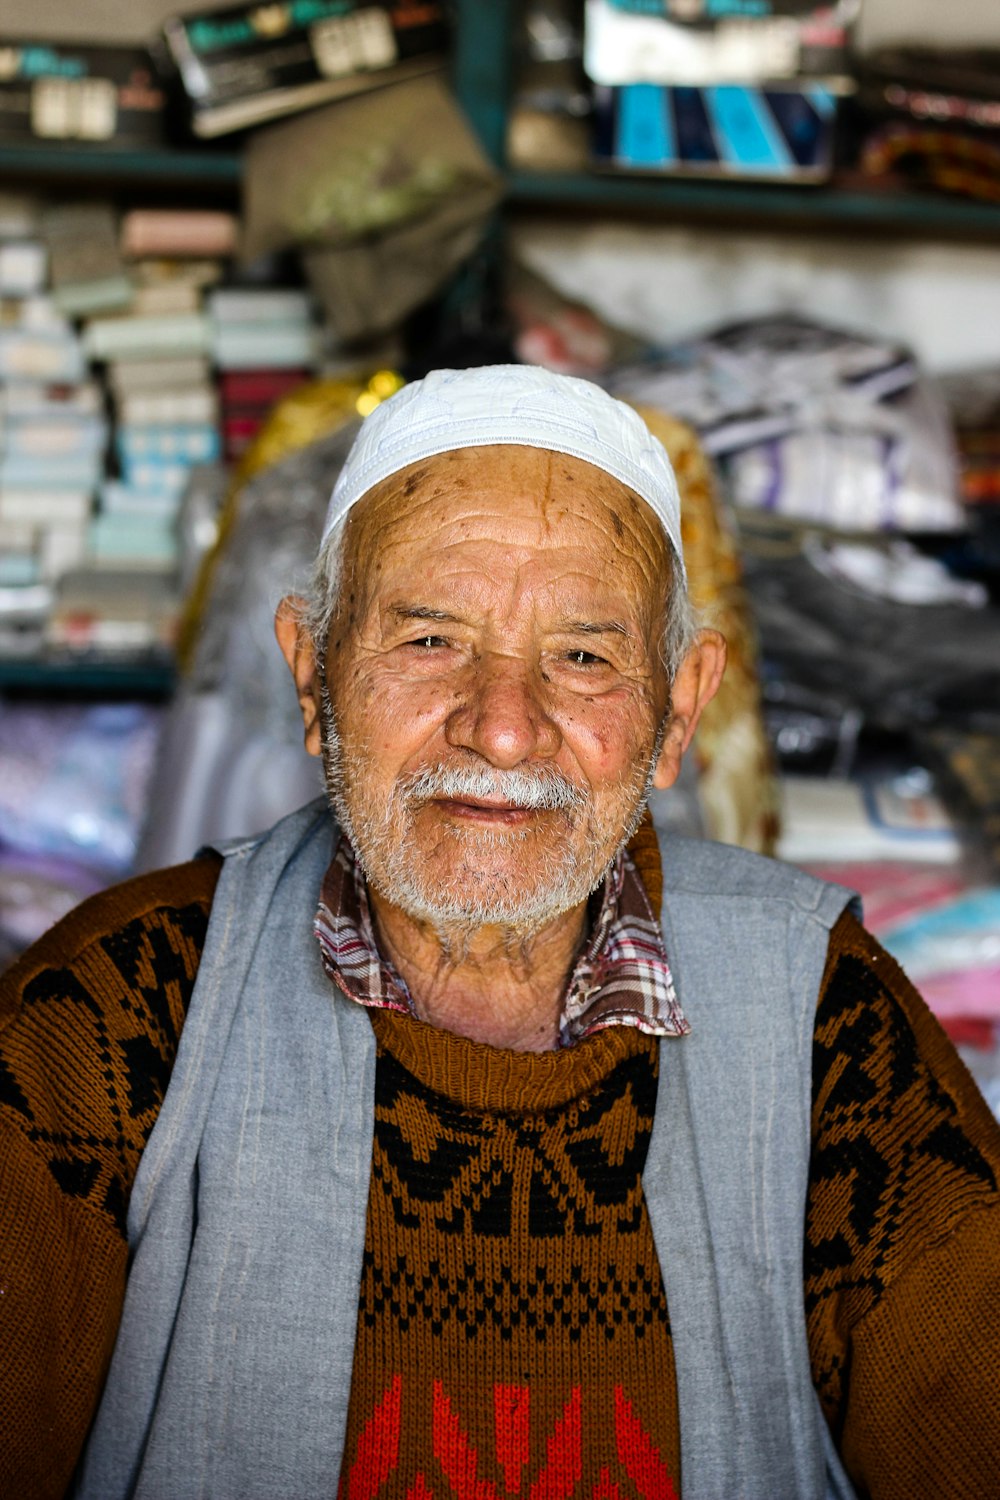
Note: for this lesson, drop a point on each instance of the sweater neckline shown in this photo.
(498, 1079)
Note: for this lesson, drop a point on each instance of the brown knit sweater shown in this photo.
(479, 1158)
(512, 1327)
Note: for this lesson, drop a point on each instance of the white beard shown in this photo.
(553, 876)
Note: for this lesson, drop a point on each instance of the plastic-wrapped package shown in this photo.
(74, 779)
(812, 423)
(882, 466)
(929, 116)
(835, 647)
(887, 816)
(386, 195)
(952, 954)
(633, 41)
(944, 929)
(896, 571)
(35, 892)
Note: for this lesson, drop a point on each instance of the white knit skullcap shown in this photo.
(516, 404)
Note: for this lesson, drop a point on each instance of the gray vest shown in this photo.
(231, 1375)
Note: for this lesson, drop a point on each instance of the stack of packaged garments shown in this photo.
(839, 459)
(52, 431)
(155, 355)
(114, 339)
(72, 797)
(265, 342)
(718, 91)
(811, 423)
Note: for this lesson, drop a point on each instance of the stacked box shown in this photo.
(748, 89)
(53, 432)
(70, 91)
(160, 384)
(114, 340)
(264, 344)
(242, 64)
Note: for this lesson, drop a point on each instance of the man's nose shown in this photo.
(502, 715)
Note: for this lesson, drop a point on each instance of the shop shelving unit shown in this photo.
(482, 75)
(482, 72)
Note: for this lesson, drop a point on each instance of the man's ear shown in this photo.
(695, 685)
(299, 651)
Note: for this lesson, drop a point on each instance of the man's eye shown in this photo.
(428, 642)
(582, 658)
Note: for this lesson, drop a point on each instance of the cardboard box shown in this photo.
(247, 63)
(68, 91)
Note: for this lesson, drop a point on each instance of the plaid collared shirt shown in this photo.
(622, 977)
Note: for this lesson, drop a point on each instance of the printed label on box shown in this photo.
(353, 44)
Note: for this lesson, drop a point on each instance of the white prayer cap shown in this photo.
(510, 404)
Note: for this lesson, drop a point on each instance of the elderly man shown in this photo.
(504, 1152)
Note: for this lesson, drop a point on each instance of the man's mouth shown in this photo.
(486, 810)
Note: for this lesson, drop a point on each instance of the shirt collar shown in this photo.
(621, 978)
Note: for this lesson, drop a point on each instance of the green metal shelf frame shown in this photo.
(123, 165)
(827, 206)
(89, 677)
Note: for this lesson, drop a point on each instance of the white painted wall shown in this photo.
(665, 283)
(956, 23)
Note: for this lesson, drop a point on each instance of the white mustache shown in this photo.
(545, 789)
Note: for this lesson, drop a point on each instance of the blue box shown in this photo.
(784, 133)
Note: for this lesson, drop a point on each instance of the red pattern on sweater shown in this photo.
(560, 1477)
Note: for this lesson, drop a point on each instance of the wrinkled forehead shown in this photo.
(549, 519)
(462, 485)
